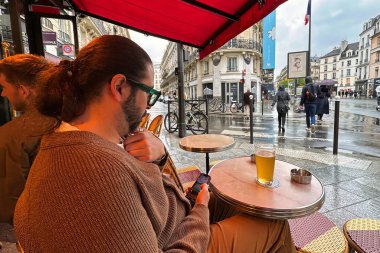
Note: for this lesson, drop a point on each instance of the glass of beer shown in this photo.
(265, 156)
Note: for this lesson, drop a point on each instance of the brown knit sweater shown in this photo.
(85, 194)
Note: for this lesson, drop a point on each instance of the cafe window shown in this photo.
(205, 68)
(232, 64)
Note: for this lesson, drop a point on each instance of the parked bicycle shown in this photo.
(196, 121)
(235, 106)
(216, 105)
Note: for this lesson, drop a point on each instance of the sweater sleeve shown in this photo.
(192, 235)
(120, 213)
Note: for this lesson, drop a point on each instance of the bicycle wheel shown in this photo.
(173, 126)
(233, 108)
(198, 123)
(221, 107)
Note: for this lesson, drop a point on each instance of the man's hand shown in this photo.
(203, 196)
(144, 146)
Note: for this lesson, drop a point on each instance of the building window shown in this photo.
(342, 63)
(341, 73)
(325, 76)
(377, 57)
(334, 59)
(334, 75)
(349, 63)
(205, 68)
(348, 72)
(326, 60)
(334, 66)
(325, 68)
(349, 54)
(348, 81)
(377, 72)
(232, 64)
(357, 61)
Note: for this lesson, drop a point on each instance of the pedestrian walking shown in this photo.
(247, 102)
(309, 100)
(282, 99)
(323, 106)
(355, 94)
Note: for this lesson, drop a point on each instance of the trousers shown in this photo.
(235, 232)
(281, 116)
(311, 110)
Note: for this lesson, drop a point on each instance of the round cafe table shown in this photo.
(206, 143)
(234, 181)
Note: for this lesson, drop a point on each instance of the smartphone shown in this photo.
(196, 188)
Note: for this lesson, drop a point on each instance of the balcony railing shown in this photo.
(242, 43)
(232, 70)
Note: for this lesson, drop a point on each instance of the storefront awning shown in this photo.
(206, 24)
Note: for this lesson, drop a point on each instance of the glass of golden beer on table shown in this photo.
(265, 156)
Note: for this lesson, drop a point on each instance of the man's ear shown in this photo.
(118, 87)
(24, 91)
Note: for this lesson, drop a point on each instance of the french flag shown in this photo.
(307, 16)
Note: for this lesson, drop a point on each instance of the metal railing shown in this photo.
(242, 43)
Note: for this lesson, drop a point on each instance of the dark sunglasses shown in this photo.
(153, 94)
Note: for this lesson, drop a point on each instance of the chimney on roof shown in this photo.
(343, 45)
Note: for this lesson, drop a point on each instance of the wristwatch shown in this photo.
(161, 162)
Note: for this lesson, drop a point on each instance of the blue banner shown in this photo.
(269, 41)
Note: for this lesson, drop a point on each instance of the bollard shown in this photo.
(207, 115)
(336, 127)
(251, 118)
(168, 114)
(262, 106)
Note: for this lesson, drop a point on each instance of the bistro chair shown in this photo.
(316, 233)
(156, 125)
(183, 177)
(363, 235)
(144, 121)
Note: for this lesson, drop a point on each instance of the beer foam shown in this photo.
(265, 153)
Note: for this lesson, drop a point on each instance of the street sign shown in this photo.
(68, 50)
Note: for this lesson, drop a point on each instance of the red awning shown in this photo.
(206, 24)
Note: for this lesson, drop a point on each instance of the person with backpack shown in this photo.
(282, 99)
(309, 100)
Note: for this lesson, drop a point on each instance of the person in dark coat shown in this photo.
(247, 102)
(323, 102)
(282, 99)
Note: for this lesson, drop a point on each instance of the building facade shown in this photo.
(157, 76)
(340, 65)
(228, 71)
(374, 62)
(363, 80)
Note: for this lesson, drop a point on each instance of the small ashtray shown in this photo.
(301, 176)
(253, 158)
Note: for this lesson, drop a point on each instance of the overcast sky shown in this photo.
(332, 22)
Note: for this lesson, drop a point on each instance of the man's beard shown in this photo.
(131, 113)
